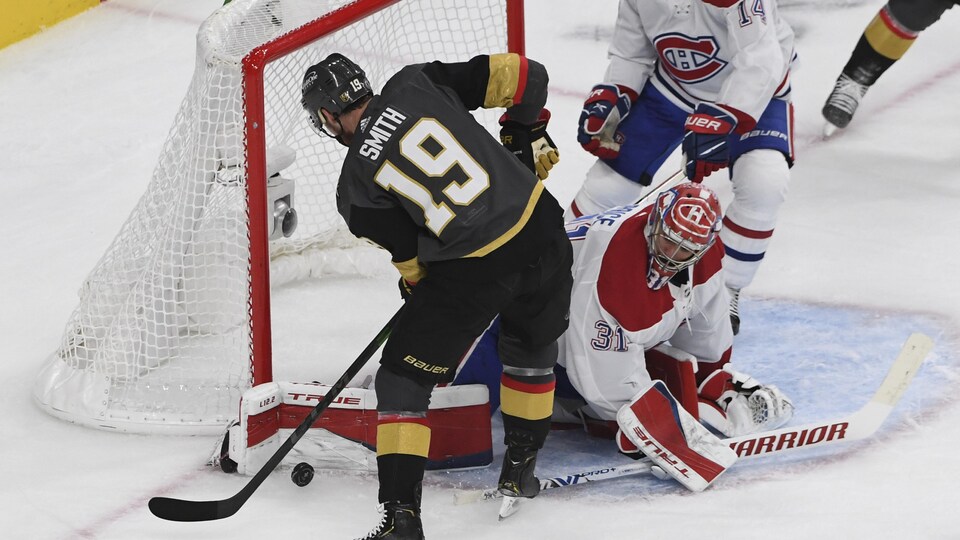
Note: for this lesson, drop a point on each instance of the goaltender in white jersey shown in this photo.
(714, 76)
(649, 302)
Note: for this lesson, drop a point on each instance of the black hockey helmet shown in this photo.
(335, 83)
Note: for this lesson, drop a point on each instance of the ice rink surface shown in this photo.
(865, 253)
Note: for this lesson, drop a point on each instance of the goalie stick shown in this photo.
(183, 510)
(856, 426)
(668, 183)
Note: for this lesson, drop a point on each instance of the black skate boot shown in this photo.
(516, 477)
(397, 522)
(843, 102)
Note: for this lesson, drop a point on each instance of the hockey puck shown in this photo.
(302, 474)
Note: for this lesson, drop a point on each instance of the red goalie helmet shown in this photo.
(683, 224)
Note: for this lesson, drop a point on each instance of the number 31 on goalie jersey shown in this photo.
(434, 165)
(608, 338)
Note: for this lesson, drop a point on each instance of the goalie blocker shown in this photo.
(344, 437)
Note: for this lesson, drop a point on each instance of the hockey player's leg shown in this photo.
(602, 189)
(885, 40)
(760, 179)
(736, 404)
(440, 322)
(403, 443)
(530, 327)
(526, 406)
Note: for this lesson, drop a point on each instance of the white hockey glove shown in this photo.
(736, 404)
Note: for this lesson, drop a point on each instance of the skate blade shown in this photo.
(509, 506)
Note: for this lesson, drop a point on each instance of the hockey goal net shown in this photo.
(174, 321)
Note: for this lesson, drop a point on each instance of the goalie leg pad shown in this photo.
(344, 437)
(660, 428)
(677, 369)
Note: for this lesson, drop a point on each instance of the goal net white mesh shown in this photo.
(163, 337)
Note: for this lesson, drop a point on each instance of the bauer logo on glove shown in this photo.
(605, 107)
(530, 143)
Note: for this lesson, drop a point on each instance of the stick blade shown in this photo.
(181, 510)
(906, 365)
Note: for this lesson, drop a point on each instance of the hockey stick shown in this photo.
(856, 426)
(674, 179)
(183, 510)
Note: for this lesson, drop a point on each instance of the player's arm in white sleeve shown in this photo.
(632, 55)
(758, 66)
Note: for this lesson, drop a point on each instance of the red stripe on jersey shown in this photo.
(721, 3)
(743, 231)
(521, 81)
(575, 209)
(402, 419)
(527, 388)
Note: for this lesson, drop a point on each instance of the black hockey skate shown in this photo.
(843, 101)
(516, 477)
(397, 522)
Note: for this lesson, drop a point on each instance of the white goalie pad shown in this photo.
(344, 437)
(735, 404)
(673, 439)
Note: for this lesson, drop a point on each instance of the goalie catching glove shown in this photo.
(530, 143)
(736, 404)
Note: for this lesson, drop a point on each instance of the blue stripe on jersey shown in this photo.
(741, 256)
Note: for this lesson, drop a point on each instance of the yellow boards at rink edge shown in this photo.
(21, 19)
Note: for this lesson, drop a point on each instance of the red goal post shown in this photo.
(174, 322)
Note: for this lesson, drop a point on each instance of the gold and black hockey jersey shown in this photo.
(423, 179)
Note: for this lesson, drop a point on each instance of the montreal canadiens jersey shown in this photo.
(426, 181)
(615, 317)
(693, 51)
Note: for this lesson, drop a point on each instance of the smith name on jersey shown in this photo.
(426, 181)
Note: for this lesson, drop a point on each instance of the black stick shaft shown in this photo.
(183, 510)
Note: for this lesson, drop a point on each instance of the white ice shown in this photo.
(865, 252)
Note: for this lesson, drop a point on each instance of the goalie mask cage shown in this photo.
(174, 321)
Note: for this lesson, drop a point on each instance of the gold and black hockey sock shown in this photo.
(884, 41)
(403, 444)
(526, 404)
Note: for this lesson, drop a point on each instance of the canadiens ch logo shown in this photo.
(689, 60)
